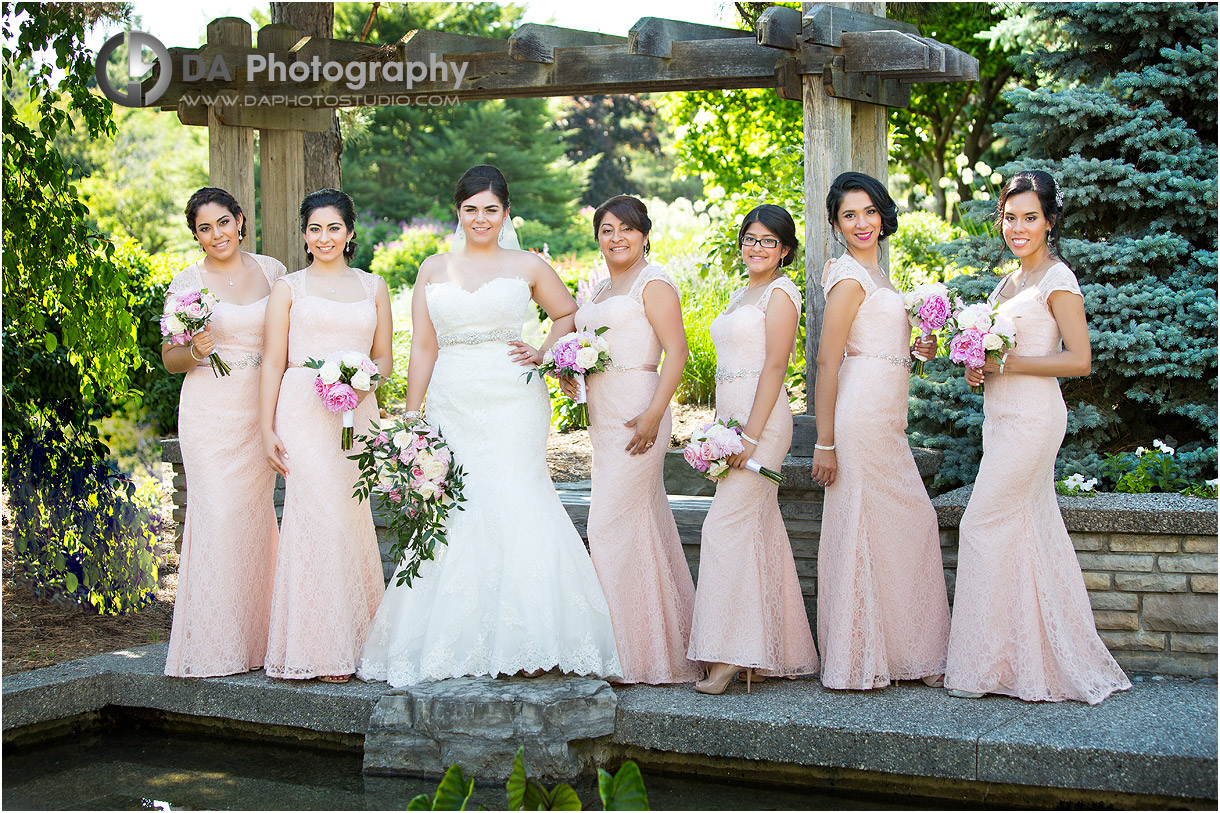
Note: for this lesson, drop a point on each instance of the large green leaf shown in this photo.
(624, 790)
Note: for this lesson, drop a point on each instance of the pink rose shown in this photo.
(368, 366)
(444, 455)
(933, 313)
(417, 474)
(395, 495)
(321, 388)
(195, 310)
(406, 456)
(420, 442)
(381, 438)
(967, 348)
(340, 398)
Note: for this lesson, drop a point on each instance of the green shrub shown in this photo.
(370, 233)
(398, 261)
(914, 259)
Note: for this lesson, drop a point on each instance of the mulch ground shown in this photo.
(39, 633)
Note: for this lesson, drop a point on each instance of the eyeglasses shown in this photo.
(765, 242)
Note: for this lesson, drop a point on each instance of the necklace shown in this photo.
(1026, 275)
(205, 268)
(335, 282)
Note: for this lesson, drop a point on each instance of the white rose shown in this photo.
(361, 380)
(432, 468)
(964, 320)
(992, 341)
(385, 479)
(586, 357)
(329, 372)
(403, 439)
(982, 322)
(427, 489)
(717, 469)
(911, 298)
(352, 359)
(173, 324)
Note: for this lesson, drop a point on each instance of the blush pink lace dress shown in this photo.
(632, 534)
(328, 578)
(1022, 624)
(883, 613)
(228, 540)
(748, 605)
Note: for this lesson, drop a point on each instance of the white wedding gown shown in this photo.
(514, 588)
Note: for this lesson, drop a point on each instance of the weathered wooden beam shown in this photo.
(262, 117)
(788, 78)
(332, 50)
(825, 25)
(231, 149)
(655, 36)
(780, 27)
(421, 43)
(537, 43)
(888, 52)
(859, 87)
(282, 170)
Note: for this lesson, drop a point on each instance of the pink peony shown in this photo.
(380, 439)
(420, 442)
(692, 457)
(417, 475)
(395, 495)
(321, 388)
(444, 455)
(188, 298)
(406, 457)
(565, 355)
(933, 313)
(967, 348)
(340, 398)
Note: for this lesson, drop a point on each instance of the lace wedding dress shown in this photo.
(514, 588)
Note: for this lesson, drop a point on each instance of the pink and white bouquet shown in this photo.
(928, 309)
(339, 376)
(575, 356)
(410, 467)
(980, 332)
(185, 315)
(709, 451)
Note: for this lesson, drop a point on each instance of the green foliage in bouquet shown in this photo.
(417, 517)
(1124, 116)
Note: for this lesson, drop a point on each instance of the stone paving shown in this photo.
(1158, 739)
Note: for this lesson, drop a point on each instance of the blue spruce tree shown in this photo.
(1124, 116)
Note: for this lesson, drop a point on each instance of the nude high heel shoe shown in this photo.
(718, 678)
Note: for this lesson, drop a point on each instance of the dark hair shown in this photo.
(1042, 183)
(629, 210)
(876, 191)
(481, 178)
(777, 221)
(211, 194)
(341, 202)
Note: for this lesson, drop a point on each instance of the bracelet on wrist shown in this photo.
(414, 413)
(744, 436)
(191, 346)
(829, 448)
(1003, 361)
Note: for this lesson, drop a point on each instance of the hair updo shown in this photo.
(212, 194)
(629, 210)
(776, 220)
(877, 193)
(339, 201)
(1044, 185)
(481, 178)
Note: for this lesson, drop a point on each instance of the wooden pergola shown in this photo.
(845, 63)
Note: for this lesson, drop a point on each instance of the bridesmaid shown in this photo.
(229, 537)
(883, 613)
(749, 613)
(632, 534)
(328, 578)
(1022, 624)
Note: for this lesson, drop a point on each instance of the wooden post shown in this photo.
(870, 135)
(282, 169)
(231, 149)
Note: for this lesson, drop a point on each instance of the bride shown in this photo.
(514, 590)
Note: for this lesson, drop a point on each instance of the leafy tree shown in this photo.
(403, 161)
(1125, 119)
(70, 338)
(605, 130)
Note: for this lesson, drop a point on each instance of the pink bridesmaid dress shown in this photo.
(748, 606)
(228, 540)
(633, 538)
(1022, 624)
(328, 578)
(883, 613)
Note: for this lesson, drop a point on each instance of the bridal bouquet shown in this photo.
(980, 332)
(708, 451)
(185, 315)
(927, 309)
(575, 356)
(409, 465)
(339, 376)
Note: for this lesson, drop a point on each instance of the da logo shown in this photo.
(137, 41)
